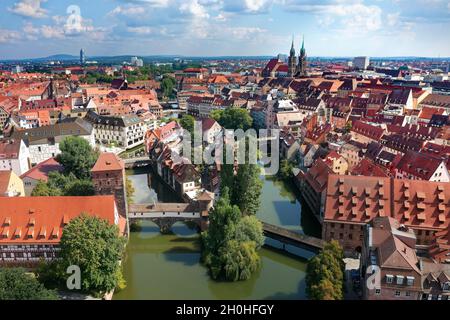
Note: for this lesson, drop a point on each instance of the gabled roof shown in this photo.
(42, 170)
(367, 168)
(418, 164)
(5, 177)
(108, 161)
(41, 220)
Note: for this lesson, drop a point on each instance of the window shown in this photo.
(410, 281)
(397, 293)
(350, 236)
(389, 278)
(408, 294)
(377, 292)
(400, 279)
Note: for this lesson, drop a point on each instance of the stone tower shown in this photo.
(108, 177)
(301, 68)
(292, 61)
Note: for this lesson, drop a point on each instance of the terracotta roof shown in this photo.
(357, 198)
(368, 130)
(5, 176)
(414, 203)
(41, 220)
(9, 149)
(418, 164)
(208, 123)
(367, 168)
(108, 162)
(41, 171)
(422, 204)
(317, 175)
(427, 112)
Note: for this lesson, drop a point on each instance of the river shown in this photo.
(168, 266)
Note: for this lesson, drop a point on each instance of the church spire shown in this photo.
(302, 50)
(292, 46)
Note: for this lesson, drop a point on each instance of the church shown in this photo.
(296, 67)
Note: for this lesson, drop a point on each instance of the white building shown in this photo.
(361, 63)
(43, 142)
(126, 131)
(14, 155)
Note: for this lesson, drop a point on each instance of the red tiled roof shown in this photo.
(418, 164)
(9, 149)
(427, 112)
(33, 220)
(5, 176)
(108, 162)
(317, 175)
(208, 123)
(41, 171)
(369, 169)
(414, 203)
(367, 130)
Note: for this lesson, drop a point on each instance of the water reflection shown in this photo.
(168, 266)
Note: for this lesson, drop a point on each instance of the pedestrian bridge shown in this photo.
(136, 162)
(165, 214)
(293, 238)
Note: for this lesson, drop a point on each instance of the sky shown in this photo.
(39, 28)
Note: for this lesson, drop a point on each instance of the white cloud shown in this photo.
(199, 16)
(346, 15)
(152, 3)
(194, 8)
(141, 30)
(393, 19)
(255, 5)
(29, 8)
(7, 36)
(128, 11)
(244, 33)
(52, 32)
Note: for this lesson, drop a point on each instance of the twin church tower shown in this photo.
(294, 68)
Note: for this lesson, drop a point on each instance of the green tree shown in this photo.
(130, 190)
(325, 274)
(226, 177)
(233, 118)
(79, 188)
(249, 228)
(64, 185)
(77, 156)
(230, 244)
(187, 122)
(167, 85)
(16, 284)
(247, 188)
(240, 259)
(286, 168)
(96, 247)
(42, 189)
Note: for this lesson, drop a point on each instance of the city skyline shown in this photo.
(335, 28)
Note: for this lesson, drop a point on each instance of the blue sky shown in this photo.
(37, 28)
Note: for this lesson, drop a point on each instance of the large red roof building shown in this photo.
(31, 227)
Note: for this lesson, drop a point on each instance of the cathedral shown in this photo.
(297, 69)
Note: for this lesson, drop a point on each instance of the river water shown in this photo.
(168, 266)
